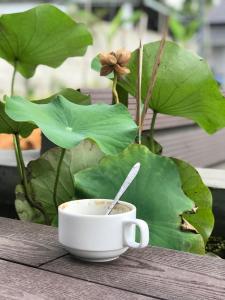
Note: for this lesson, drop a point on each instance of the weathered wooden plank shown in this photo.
(155, 272)
(28, 243)
(199, 264)
(136, 273)
(193, 145)
(22, 282)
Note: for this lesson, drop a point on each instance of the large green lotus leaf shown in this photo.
(195, 189)
(42, 35)
(156, 192)
(67, 124)
(70, 94)
(42, 174)
(184, 87)
(7, 125)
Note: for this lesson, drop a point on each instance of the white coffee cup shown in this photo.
(86, 232)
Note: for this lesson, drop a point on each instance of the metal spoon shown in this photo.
(130, 177)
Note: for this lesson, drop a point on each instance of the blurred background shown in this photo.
(198, 25)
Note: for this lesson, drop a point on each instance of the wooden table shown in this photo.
(34, 266)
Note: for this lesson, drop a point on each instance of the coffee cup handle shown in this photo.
(144, 233)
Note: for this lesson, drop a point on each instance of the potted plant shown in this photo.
(98, 144)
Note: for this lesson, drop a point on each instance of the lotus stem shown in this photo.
(13, 81)
(20, 162)
(114, 91)
(57, 178)
(16, 145)
(151, 134)
(16, 140)
(24, 180)
(138, 93)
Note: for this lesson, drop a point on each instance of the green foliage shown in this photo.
(156, 192)
(42, 174)
(146, 140)
(184, 87)
(70, 94)
(67, 124)
(43, 35)
(25, 210)
(7, 125)
(168, 194)
(122, 94)
(183, 32)
(195, 189)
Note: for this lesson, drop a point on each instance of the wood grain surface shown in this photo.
(211, 266)
(140, 275)
(19, 282)
(28, 243)
(43, 270)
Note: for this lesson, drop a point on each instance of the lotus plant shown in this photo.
(96, 144)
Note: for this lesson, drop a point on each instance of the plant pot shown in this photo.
(46, 144)
(9, 178)
(219, 211)
(215, 180)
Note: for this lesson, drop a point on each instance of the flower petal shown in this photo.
(107, 59)
(106, 70)
(123, 56)
(121, 70)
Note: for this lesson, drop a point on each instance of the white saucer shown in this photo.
(96, 256)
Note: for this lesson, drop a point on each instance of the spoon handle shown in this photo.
(130, 177)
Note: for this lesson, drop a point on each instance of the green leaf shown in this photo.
(183, 32)
(145, 140)
(156, 192)
(24, 210)
(70, 94)
(67, 124)
(195, 189)
(43, 35)
(184, 87)
(42, 174)
(55, 221)
(9, 126)
(177, 28)
(123, 95)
